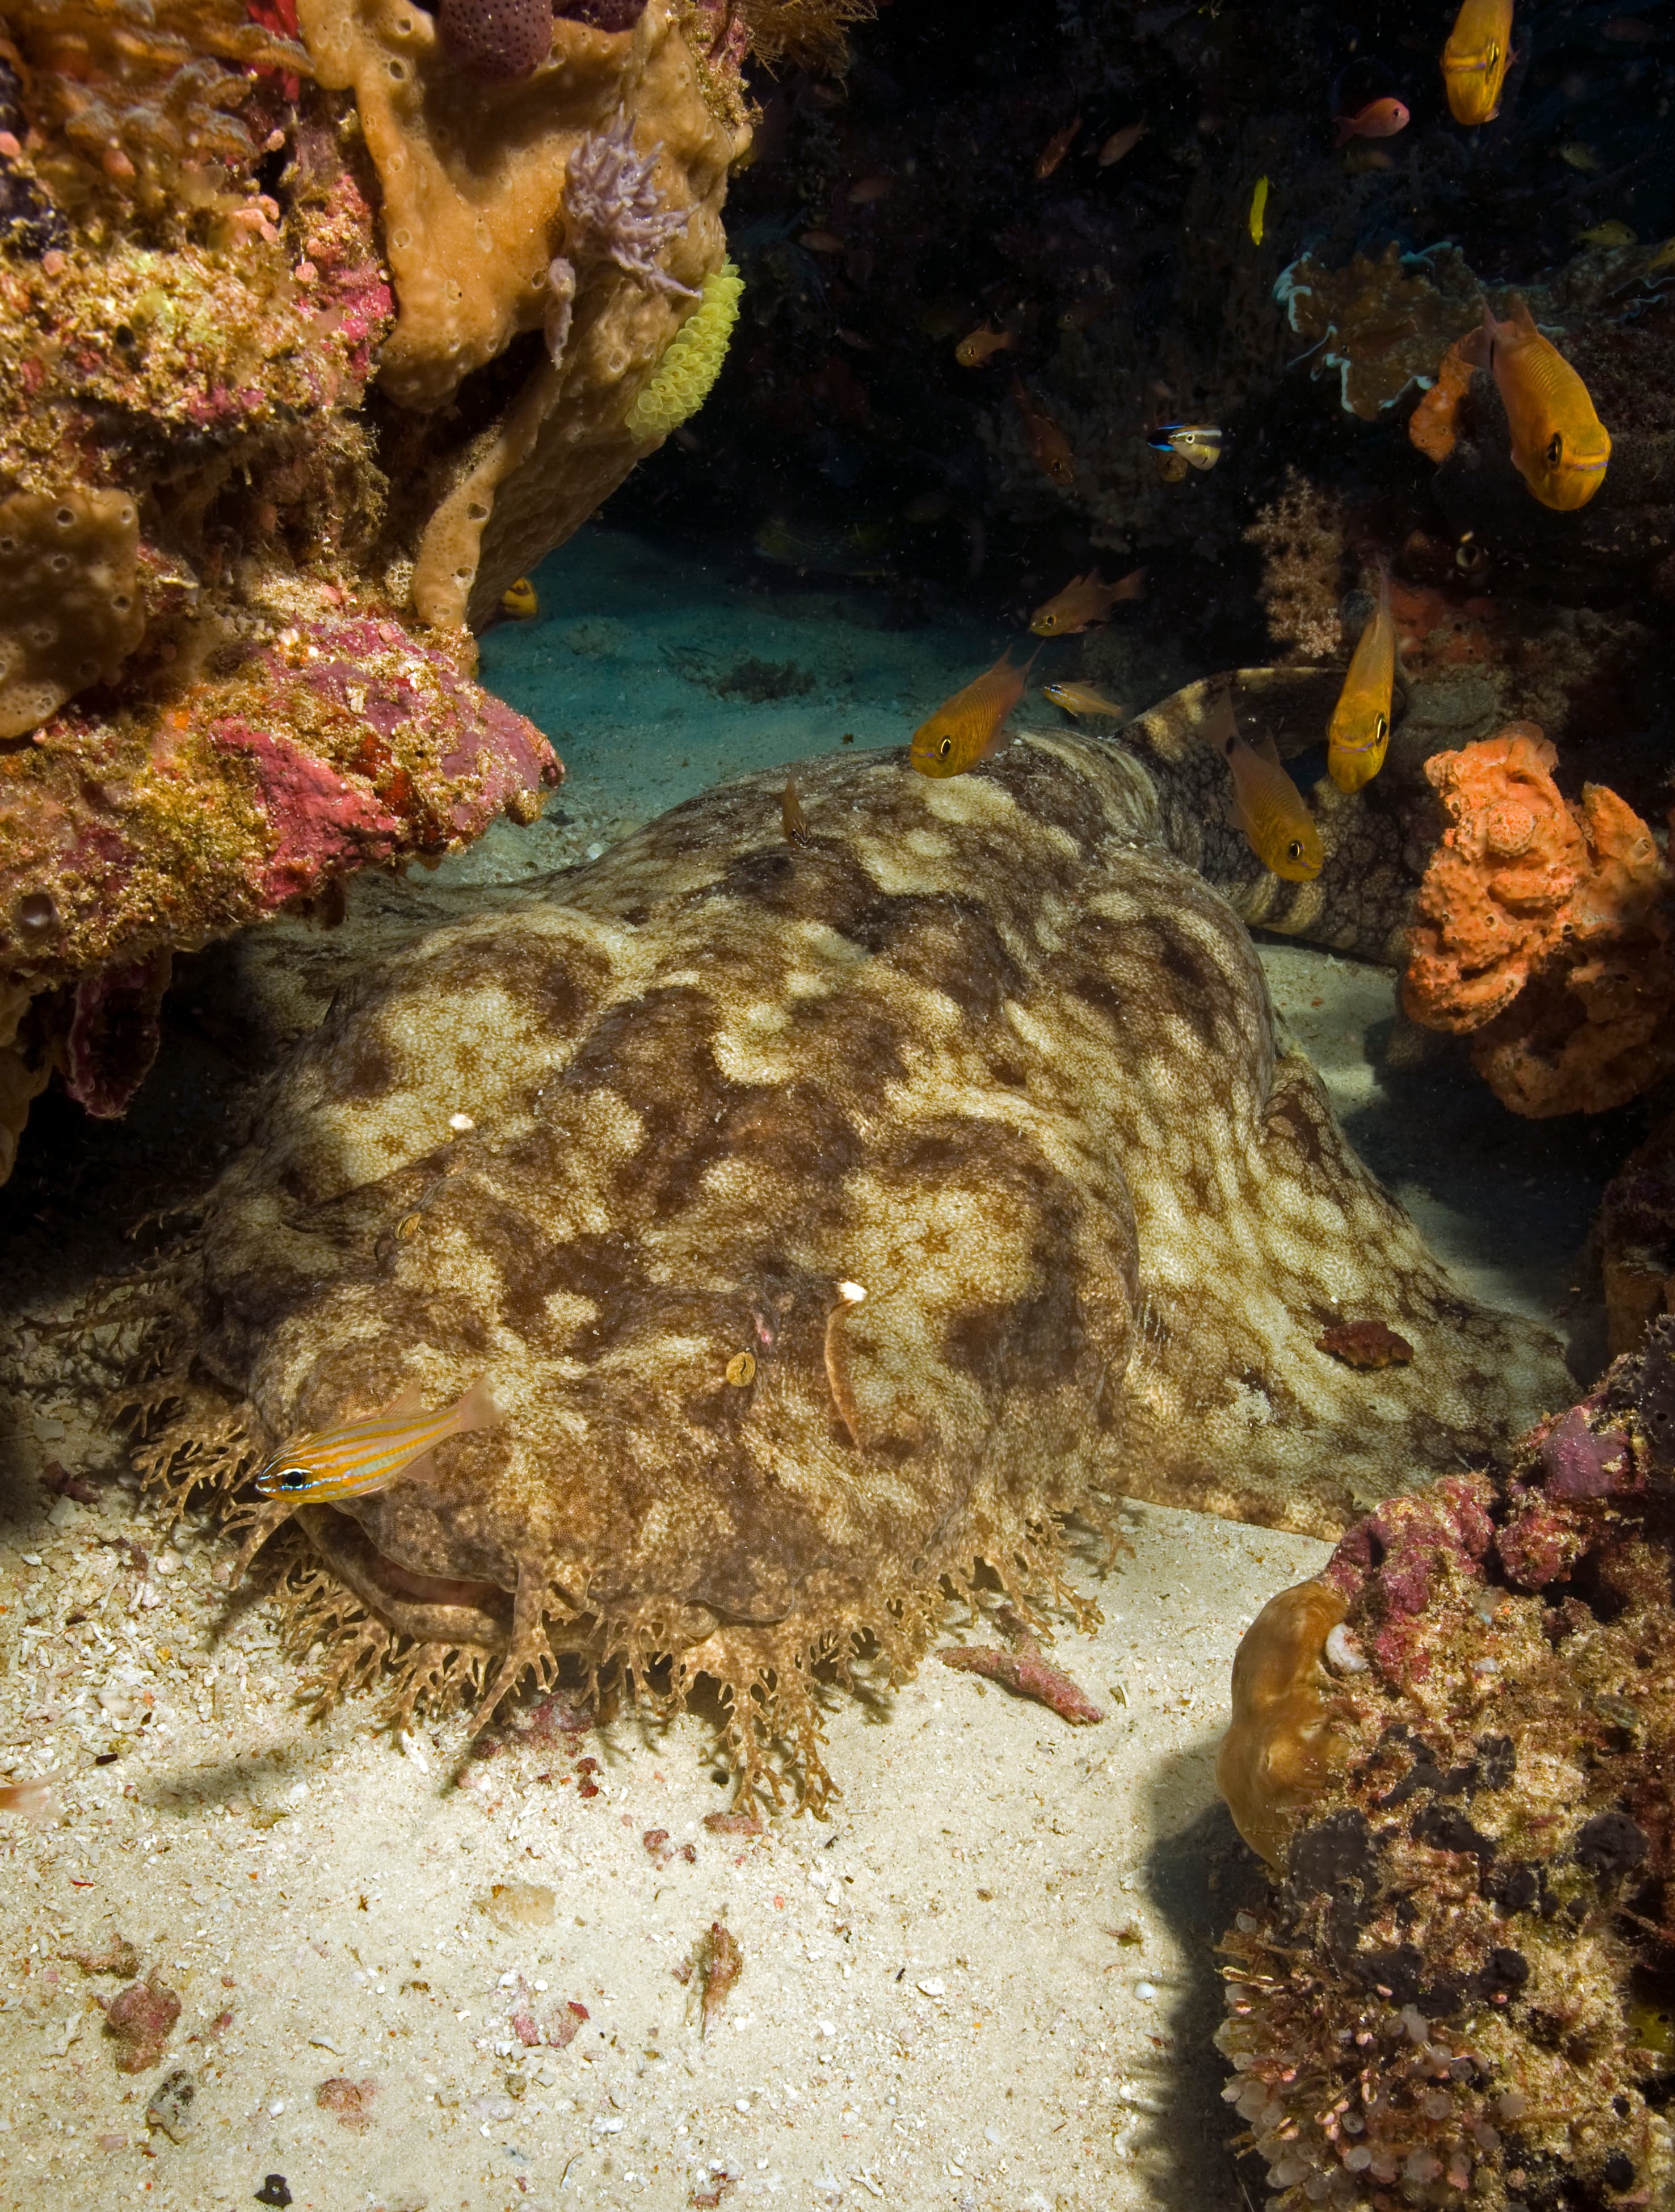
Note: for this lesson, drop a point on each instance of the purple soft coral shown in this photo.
(615, 210)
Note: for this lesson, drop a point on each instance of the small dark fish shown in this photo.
(1055, 150)
(1047, 441)
(1120, 142)
(974, 351)
(792, 815)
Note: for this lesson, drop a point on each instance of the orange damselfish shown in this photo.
(971, 726)
(975, 349)
(1559, 446)
(1056, 148)
(359, 1456)
(1085, 601)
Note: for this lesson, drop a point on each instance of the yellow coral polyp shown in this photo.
(682, 379)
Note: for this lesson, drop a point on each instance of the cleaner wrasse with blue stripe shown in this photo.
(358, 1457)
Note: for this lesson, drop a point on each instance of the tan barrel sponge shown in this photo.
(70, 598)
(561, 450)
(535, 476)
(473, 173)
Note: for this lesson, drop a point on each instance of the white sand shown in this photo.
(986, 1981)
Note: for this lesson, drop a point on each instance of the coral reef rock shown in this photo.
(1458, 1986)
(966, 1120)
(1637, 1239)
(1547, 929)
(1383, 322)
(233, 581)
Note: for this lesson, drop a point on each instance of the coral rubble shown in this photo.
(1546, 929)
(568, 1144)
(1454, 1989)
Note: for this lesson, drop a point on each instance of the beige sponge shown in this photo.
(473, 173)
(70, 598)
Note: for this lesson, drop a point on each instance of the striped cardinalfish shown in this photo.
(971, 726)
(1267, 804)
(1081, 699)
(358, 1457)
(1360, 732)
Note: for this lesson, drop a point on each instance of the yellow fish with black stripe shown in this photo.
(1360, 733)
(358, 1457)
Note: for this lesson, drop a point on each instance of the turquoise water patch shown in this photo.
(656, 676)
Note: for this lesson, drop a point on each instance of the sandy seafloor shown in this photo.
(986, 1980)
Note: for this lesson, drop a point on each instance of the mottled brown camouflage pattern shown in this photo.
(985, 1047)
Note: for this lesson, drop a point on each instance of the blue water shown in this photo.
(627, 665)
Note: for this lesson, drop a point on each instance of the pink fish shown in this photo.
(1379, 118)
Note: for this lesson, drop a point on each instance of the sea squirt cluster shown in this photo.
(1459, 1987)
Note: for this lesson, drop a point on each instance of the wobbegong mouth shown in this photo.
(430, 1608)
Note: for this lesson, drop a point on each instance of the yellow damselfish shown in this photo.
(1267, 804)
(1474, 60)
(1559, 446)
(1360, 733)
(1258, 210)
(360, 1456)
(520, 601)
(971, 726)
